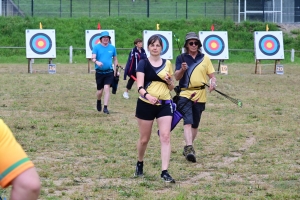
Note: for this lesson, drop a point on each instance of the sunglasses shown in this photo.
(195, 43)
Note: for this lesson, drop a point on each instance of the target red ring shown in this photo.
(213, 45)
(269, 45)
(40, 43)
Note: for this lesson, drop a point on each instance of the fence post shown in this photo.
(31, 8)
(71, 54)
(186, 9)
(292, 55)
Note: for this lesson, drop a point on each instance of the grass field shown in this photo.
(242, 153)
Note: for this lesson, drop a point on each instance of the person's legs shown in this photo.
(164, 124)
(107, 82)
(26, 186)
(164, 120)
(128, 87)
(145, 127)
(100, 85)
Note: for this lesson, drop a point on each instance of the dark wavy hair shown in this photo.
(153, 39)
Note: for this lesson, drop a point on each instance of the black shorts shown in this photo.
(191, 111)
(147, 111)
(104, 79)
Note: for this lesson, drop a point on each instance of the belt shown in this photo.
(162, 102)
(104, 71)
(194, 88)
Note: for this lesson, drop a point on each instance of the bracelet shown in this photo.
(141, 87)
(145, 95)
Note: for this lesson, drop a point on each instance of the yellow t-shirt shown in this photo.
(154, 82)
(13, 159)
(197, 72)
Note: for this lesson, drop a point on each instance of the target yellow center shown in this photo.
(269, 45)
(40, 43)
(214, 45)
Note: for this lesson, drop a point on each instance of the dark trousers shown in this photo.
(130, 83)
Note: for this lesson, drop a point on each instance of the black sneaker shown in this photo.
(99, 107)
(105, 111)
(167, 178)
(139, 170)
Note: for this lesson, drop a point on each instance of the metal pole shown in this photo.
(176, 10)
(245, 10)
(31, 8)
(224, 9)
(263, 10)
(109, 8)
(186, 9)
(0, 7)
(89, 8)
(148, 9)
(60, 9)
(71, 8)
(205, 9)
(281, 12)
(118, 8)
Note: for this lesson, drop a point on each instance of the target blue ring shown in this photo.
(209, 50)
(45, 38)
(93, 40)
(264, 50)
(165, 44)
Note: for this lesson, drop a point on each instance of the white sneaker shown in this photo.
(126, 95)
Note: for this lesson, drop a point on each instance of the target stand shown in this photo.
(92, 38)
(40, 44)
(268, 45)
(215, 45)
(30, 69)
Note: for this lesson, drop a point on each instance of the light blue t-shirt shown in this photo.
(104, 55)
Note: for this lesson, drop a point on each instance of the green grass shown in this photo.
(243, 153)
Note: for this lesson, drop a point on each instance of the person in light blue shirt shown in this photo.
(104, 55)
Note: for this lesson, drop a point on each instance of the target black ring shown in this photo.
(93, 40)
(165, 44)
(275, 45)
(43, 38)
(218, 40)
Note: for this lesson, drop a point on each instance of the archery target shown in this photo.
(92, 38)
(166, 37)
(268, 45)
(40, 43)
(215, 44)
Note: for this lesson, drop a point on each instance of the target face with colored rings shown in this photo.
(95, 39)
(166, 38)
(214, 44)
(165, 43)
(92, 38)
(40, 43)
(268, 45)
